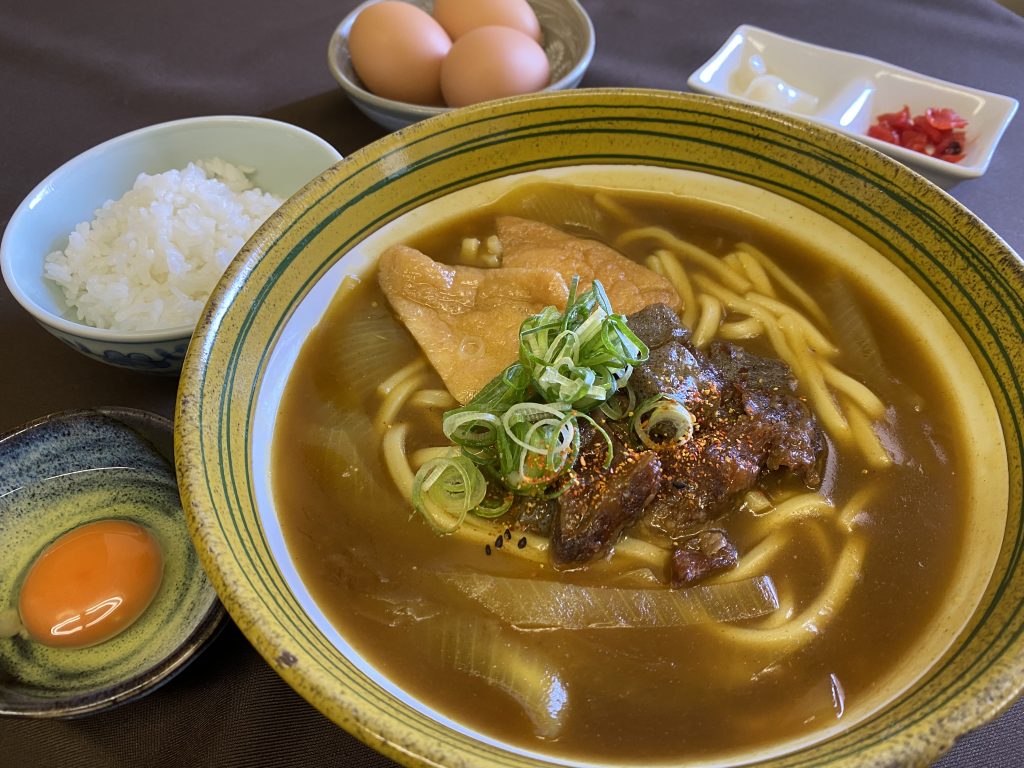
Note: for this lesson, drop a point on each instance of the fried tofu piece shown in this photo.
(466, 319)
(630, 286)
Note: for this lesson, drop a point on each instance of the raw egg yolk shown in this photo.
(90, 584)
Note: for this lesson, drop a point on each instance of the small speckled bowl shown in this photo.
(968, 288)
(568, 43)
(285, 157)
(67, 470)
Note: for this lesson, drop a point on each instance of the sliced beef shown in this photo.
(599, 504)
(702, 478)
(700, 556)
(746, 371)
(533, 514)
(749, 420)
(673, 367)
(763, 391)
(656, 325)
(537, 514)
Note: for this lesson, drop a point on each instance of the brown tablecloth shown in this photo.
(75, 73)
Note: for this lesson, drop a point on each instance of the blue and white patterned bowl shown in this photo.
(285, 158)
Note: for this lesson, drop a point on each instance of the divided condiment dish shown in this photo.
(847, 92)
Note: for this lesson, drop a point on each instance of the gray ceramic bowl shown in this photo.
(69, 469)
(285, 157)
(568, 43)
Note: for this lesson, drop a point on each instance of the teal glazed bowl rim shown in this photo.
(970, 274)
(158, 430)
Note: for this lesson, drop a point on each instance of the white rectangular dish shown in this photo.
(847, 92)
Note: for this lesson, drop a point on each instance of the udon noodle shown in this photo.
(829, 551)
(737, 297)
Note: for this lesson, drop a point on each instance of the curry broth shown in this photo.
(633, 694)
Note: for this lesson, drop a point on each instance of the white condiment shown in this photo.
(773, 91)
(756, 65)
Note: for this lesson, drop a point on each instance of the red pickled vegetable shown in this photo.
(884, 133)
(945, 119)
(951, 146)
(915, 140)
(937, 133)
(898, 120)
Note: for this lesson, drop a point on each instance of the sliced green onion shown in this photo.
(662, 415)
(621, 406)
(493, 506)
(521, 431)
(532, 415)
(581, 356)
(541, 442)
(446, 489)
(471, 429)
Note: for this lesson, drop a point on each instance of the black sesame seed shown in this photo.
(521, 543)
(487, 549)
(498, 542)
(508, 535)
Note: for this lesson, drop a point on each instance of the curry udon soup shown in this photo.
(835, 581)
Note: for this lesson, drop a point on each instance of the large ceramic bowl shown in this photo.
(967, 668)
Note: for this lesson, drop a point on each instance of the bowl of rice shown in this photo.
(116, 252)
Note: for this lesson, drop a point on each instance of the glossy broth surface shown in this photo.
(633, 695)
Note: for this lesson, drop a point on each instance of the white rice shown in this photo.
(150, 259)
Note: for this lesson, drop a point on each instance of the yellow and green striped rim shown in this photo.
(972, 276)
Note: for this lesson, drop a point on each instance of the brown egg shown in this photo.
(460, 16)
(397, 50)
(492, 62)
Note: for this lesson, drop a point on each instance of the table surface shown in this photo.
(73, 74)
